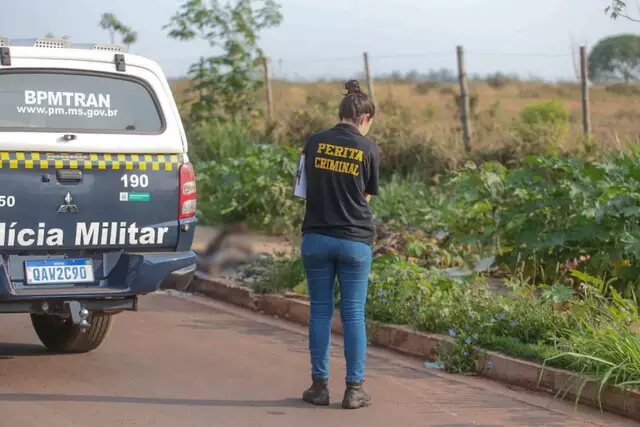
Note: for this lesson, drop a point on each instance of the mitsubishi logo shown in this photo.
(68, 207)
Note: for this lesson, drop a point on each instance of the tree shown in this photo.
(619, 9)
(110, 23)
(226, 83)
(615, 58)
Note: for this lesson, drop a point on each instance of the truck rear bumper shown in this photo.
(58, 305)
(180, 279)
(120, 277)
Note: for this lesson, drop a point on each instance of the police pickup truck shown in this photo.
(97, 194)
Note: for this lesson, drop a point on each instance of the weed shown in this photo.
(255, 187)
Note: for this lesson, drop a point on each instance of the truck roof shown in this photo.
(63, 54)
(61, 49)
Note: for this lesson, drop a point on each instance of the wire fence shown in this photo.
(464, 71)
(451, 67)
(528, 66)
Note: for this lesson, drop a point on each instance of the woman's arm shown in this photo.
(373, 174)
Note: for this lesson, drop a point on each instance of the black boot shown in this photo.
(318, 393)
(355, 397)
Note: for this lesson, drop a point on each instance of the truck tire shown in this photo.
(59, 335)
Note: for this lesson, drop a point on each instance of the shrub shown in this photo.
(543, 217)
(551, 113)
(521, 324)
(429, 112)
(283, 273)
(411, 202)
(604, 343)
(499, 80)
(623, 89)
(398, 288)
(473, 103)
(219, 140)
(423, 88)
(403, 150)
(304, 122)
(541, 128)
(255, 187)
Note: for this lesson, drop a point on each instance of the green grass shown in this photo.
(284, 274)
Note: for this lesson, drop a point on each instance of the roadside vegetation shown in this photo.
(538, 262)
(529, 245)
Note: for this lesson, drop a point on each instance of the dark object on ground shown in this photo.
(222, 253)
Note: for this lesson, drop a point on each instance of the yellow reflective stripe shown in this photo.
(130, 162)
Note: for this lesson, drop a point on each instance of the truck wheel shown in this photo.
(59, 335)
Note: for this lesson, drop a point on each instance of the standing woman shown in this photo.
(341, 167)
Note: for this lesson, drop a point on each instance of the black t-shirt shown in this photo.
(341, 166)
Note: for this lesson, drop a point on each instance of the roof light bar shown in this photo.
(55, 43)
(109, 47)
(52, 43)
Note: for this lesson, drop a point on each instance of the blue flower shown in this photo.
(468, 340)
(380, 292)
(452, 332)
(475, 336)
(513, 324)
(465, 354)
(501, 314)
(384, 300)
(490, 364)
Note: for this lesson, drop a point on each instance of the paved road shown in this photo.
(187, 361)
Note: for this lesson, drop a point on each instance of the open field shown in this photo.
(433, 111)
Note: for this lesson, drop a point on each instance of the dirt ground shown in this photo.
(259, 243)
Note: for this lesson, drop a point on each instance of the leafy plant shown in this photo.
(604, 346)
(283, 273)
(553, 215)
(226, 84)
(540, 127)
(617, 9)
(396, 287)
(114, 26)
(409, 202)
(255, 187)
(559, 293)
(221, 141)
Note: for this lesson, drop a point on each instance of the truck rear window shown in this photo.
(65, 101)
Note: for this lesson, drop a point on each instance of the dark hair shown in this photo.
(355, 103)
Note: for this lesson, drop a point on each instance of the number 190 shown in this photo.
(135, 181)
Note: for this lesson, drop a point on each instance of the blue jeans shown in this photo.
(324, 259)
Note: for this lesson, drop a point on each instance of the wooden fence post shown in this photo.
(267, 83)
(201, 76)
(584, 80)
(367, 73)
(464, 99)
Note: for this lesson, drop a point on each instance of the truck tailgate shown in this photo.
(59, 201)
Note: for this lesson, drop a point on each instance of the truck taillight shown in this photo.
(188, 194)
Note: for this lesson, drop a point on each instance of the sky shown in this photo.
(326, 38)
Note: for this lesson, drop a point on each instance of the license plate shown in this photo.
(59, 271)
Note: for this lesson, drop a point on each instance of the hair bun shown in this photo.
(352, 86)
